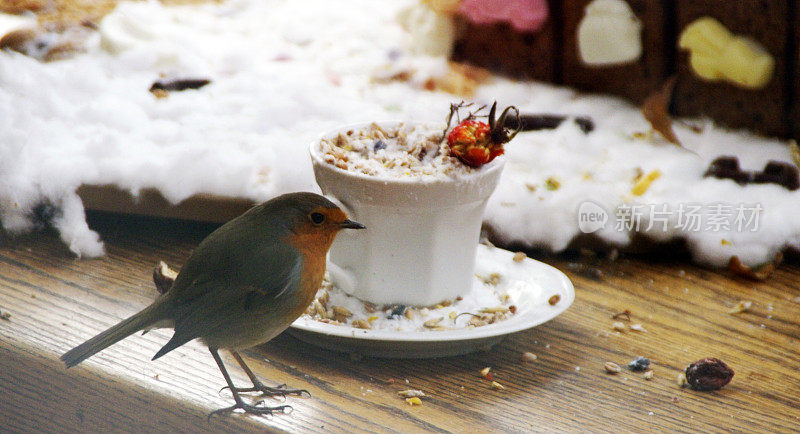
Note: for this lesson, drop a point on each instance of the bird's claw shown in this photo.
(280, 390)
(256, 408)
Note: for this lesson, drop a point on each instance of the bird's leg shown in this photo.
(240, 404)
(258, 386)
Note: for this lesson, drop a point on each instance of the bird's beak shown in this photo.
(349, 224)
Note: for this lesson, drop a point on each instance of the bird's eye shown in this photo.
(317, 218)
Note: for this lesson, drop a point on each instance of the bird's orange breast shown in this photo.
(313, 247)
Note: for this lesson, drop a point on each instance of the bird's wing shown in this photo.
(236, 261)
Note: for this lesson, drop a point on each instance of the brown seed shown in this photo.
(519, 256)
(512, 309)
(553, 300)
(708, 374)
(612, 368)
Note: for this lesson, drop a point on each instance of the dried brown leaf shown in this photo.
(761, 273)
(656, 110)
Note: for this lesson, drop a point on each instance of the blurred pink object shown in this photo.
(524, 15)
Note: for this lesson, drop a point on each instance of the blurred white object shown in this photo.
(609, 34)
(431, 33)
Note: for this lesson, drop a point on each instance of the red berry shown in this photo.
(470, 142)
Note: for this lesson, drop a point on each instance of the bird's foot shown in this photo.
(256, 408)
(265, 390)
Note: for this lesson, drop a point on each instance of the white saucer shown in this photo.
(530, 283)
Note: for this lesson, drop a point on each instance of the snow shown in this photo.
(283, 72)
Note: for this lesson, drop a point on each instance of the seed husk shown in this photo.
(432, 323)
(554, 299)
(741, 306)
(362, 324)
(411, 393)
(339, 310)
(681, 380)
(497, 309)
(612, 368)
(648, 375)
(528, 356)
(497, 386)
(519, 256)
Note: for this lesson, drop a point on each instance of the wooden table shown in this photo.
(56, 301)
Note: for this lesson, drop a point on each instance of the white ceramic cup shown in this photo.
(421, 235)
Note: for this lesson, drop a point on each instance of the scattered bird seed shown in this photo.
(681, 380)
(554, 299)
(639, 364)
(740, 307)
(432, 323)
(625, 314)
(493, 279)
(497, 386)
(411, 393)
(618, 326)
(552, 184)
(612, 368)
(179, 84)
(5, 316)
(519, 256)
(528, 356)
(500, 309)
(362, 324)
(413, 401)
(339, 310)
(485, 373)
(638, 328)
(648, 375)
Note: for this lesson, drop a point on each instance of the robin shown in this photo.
(243, 285)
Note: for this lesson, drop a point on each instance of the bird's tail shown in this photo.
(123, 329)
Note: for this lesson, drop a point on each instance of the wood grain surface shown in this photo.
(56, 301)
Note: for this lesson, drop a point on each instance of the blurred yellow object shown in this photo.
(643, 184)
(717, 54)
(443, 6)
